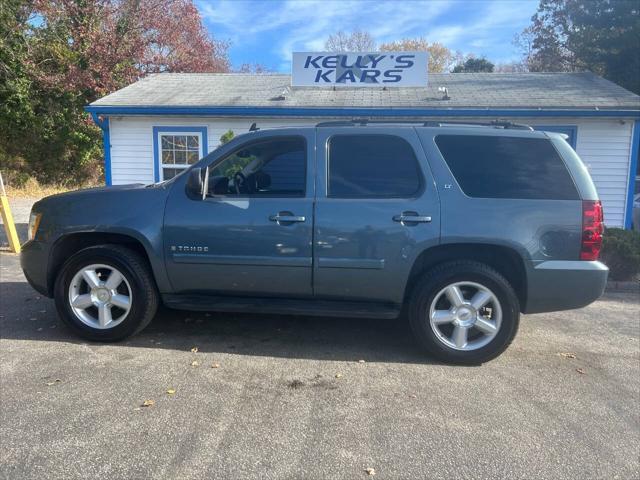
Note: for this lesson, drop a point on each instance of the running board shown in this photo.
(284, 306)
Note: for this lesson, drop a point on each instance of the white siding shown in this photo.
(132, 158)
(603, 145)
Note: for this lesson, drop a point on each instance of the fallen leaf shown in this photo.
(296, 384)
(567, 354)
(370, 471)
(194, 350)
(580, 371)
(148, 403)
(338, 375)
(195, 363)
(171, 391)
(215, 365)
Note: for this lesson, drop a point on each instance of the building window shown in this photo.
(177, 148)
(178, 152)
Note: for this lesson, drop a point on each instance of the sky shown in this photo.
(268, 31)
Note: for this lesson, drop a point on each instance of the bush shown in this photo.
(227, 137)
(621, 253)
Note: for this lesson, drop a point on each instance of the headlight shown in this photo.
(34, 223)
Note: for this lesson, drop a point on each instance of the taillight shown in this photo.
(592, 229)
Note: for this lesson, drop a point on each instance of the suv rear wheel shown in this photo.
(464, 312)
(106, 293)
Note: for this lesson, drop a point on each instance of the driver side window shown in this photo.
(271, 167)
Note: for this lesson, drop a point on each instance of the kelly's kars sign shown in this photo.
(388, 69)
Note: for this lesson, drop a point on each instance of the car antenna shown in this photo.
(253, 127)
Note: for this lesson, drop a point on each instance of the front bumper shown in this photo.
(564, 285)
(34, 260)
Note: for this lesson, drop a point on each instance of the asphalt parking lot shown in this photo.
(295, 397)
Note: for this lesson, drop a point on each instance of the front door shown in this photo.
(252, 234)
(376, 209)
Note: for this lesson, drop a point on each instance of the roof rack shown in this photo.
(363, 122)
(493, 123)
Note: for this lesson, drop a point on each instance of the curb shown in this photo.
(614, 286)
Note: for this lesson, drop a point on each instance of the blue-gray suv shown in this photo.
(457, 228)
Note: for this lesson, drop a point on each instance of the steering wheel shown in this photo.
(238, 180)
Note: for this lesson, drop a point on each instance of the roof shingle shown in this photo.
(471, 90)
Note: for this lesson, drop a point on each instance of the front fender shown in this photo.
(136, 213)
(151, 244)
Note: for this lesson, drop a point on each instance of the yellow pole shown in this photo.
(7, 219)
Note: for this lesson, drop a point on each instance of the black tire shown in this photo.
(137, 273)
(446, 274)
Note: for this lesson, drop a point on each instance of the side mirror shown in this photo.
(195, 184)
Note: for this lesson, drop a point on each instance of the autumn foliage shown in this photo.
(59, 55)
(103, 45)
(440, 57)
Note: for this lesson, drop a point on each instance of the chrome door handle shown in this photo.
(287, 218)
(411, 217)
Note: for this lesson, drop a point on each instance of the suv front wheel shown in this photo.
(464, 312)
(106, 293)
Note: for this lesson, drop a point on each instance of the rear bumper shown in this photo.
(34, 258)
(563, 285)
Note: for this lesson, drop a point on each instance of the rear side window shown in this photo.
(507, 167)
(372, 166)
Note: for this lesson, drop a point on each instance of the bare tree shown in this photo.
(256, 68)
(356, 41)
(523, 41)
(511, 67)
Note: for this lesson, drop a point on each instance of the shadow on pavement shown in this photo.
(25, 315)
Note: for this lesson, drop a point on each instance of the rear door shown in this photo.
(377, 208)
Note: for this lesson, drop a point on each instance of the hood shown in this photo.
(96, 190)
(103, 208)
(95, 193)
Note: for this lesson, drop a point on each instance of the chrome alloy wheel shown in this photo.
(100, 296)
(465, 316)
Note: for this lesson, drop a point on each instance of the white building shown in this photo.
(161, 124)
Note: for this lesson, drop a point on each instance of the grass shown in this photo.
(33, 189)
